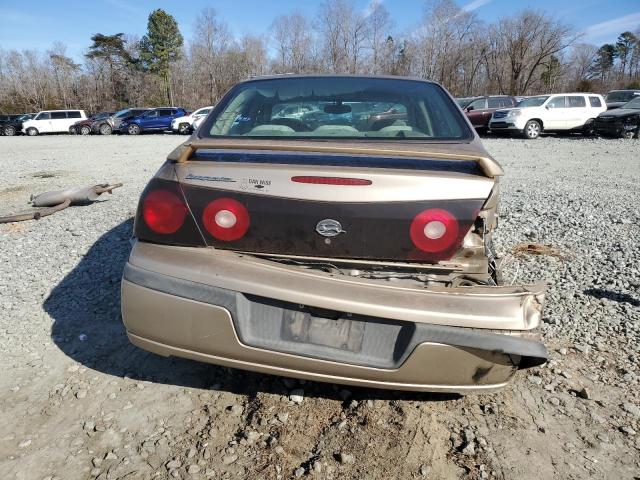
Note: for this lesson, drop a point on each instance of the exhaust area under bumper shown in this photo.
(235, 310)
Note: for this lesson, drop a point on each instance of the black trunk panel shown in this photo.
(287, 226)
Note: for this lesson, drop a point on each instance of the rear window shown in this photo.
(74, 114)
(621, 95)
(337, 107)
(595, 102)
(576, 102)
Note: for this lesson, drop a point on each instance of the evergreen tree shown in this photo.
(161, 46)
(604, 61)
(111, 49)
(624, 48)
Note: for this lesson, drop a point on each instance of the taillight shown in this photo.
(226, 219)
(163, 211)
(434, 230)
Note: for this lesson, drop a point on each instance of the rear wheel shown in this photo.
(85, 130)
(183, 128)
(10, 131)
(629, 134)
(532, 129)
(133, 129)
(32, 131)
(105, 129)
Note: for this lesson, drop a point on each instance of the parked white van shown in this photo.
(52, 121)
(564, 112)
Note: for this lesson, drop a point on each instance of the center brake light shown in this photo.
(316, 180)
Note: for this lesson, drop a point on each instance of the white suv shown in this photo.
(52, 121)
(184, 124)
(551, 113)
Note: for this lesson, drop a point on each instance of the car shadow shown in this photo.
(87, 327)
(613, 296)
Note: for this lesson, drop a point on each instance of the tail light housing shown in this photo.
(164, 217)
(164, 211)
(226, 219)
(435, 231)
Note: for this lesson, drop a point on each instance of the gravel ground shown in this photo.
(78, 401)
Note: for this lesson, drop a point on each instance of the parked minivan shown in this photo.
(565, 112)
(52, 121)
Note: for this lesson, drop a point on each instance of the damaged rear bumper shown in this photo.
(240, 311)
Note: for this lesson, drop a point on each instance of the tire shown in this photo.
(532, 130)
(72, 130)
(631, 134)
(105, 129)
(9, 131)
(32, 131)
(589, 128)
(85, 130)
(133, 129)
(184, 128)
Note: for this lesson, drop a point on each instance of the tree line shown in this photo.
(527, 53)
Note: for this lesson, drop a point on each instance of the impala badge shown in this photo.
(329, 228)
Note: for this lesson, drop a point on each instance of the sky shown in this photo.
(37, 24)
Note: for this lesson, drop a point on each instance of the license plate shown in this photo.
(302, 327)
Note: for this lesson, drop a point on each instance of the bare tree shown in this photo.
(579, 65)
(521, 45)
(344, 33)
(211, 40)
(380, 30)
(448, 46)
(293, 38)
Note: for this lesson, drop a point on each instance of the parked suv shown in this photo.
(566, 112)
(52, 121)
(617, 98)
(83, 127)
(157, 119)
(112, 123)
(184, 124)
(480, 109)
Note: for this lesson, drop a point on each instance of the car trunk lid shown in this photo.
(339, 205)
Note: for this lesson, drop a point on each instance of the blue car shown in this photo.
(157, 119)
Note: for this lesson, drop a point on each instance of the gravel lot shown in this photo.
(78, 401)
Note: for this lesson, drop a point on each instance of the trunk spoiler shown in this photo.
(184, 152)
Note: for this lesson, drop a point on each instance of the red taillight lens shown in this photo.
(315, 180)
(163, 211)
(434, 230)
(226, 219)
